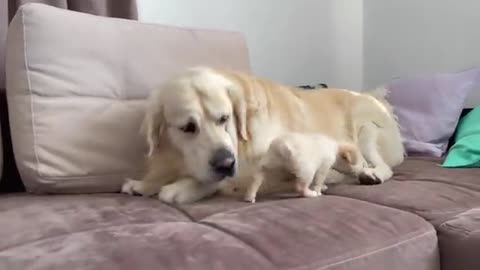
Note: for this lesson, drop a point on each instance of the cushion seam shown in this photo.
(230, 211)
(386, 206)
(339, 196)
(411, 210)
(87, 96)
(453, 228)
(226, 232)
(82, 231)
(29, 86)
(368, 253)
(180, 210)
(83, 177)
(445, 223)
(170, 26)
(444, 182)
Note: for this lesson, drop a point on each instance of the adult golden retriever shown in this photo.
(206, 129)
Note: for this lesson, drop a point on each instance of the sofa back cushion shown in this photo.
(76, 86)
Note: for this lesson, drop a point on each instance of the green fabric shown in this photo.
(465, 153)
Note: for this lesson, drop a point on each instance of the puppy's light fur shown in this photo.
(308, 158)
(258, 111)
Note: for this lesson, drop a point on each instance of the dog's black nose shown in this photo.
(223, 162)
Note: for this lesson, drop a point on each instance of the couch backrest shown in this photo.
(76, 85)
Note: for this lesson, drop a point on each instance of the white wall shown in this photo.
(350, 44)
(292, 41)
(410, 36)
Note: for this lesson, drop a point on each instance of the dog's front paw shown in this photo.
(172, 194)
(383, 173)
(368, 177)
(374, 176)
(186, 191)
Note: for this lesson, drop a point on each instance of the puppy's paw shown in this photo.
(308, 193)
(132, 187)
(250, 199)
(319, 189)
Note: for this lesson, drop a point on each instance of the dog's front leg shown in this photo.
(150, 184)
(367, 141)
(186, 190)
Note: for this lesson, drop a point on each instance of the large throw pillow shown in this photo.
(428, 107)
(466, 150)
(76, 88)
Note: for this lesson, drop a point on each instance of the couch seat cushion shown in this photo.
(422, 187)
(460, 241)
(122, 232)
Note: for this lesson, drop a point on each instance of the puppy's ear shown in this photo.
(153, 125)
(348, 153)
(237, 97)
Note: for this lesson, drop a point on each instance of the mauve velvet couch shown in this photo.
(76, 86)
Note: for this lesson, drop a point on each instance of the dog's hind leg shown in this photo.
(368, 143)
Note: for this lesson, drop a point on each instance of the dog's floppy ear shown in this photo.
(153, 124)
(237, 97)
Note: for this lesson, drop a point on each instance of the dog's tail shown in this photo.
(379, 93)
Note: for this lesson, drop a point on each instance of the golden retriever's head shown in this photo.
(199, 115)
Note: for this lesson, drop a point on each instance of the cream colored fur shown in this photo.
(258, 111)
(307, 158)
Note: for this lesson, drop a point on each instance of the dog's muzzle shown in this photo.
(223, 163)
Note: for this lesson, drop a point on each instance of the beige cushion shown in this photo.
(76, 85)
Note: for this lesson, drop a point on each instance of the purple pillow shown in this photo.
(428, 108)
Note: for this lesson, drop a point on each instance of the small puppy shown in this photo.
(308, 158)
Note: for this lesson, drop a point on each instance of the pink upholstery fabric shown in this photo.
(120, 232)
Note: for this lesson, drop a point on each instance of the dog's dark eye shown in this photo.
(223, 119)
(190, 127)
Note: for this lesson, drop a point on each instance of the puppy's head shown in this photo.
(349, 159)
(199, 115)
